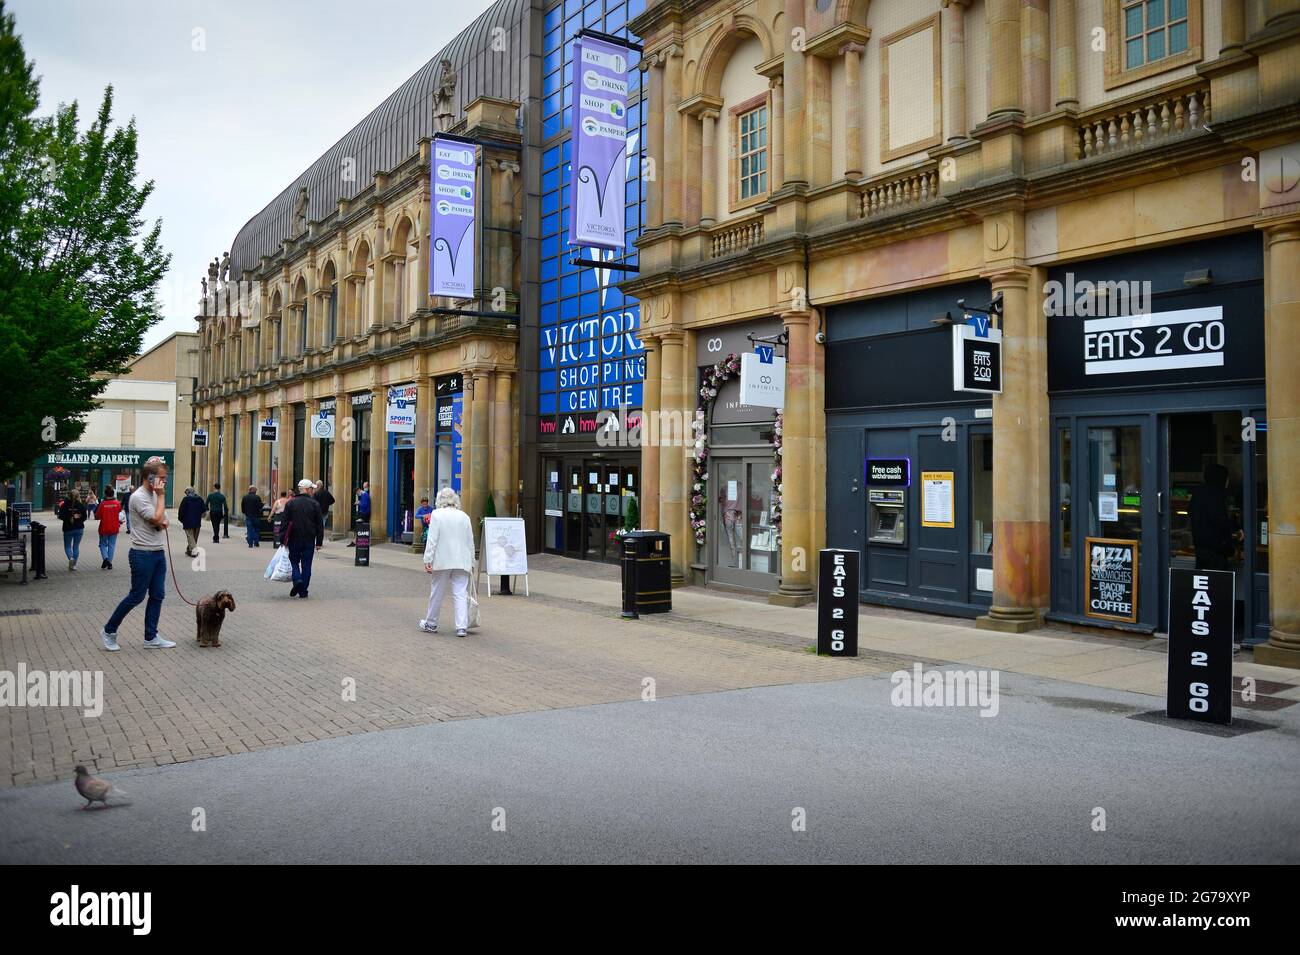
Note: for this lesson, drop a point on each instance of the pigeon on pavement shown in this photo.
(92, 788)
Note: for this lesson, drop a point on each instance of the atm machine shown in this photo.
(887, 516)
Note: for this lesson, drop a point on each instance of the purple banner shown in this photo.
(599, 144)
(451, 261)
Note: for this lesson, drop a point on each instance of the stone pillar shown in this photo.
(311, 449)
(1282, 391)
(708, 164)
(505, 252)
(341, 466)
(1232, 25)
(798, 450)
(480, 463)
(692, 167)
(236, 477)
(502, 444)
(378, 463)
(426, 417)
(670, 171)
(650, 403)
(776, 138)
(1035, 57)
(263, 450)
(1279, 14)
(954, 18)
(654, 70)
(1003, 24)
(793, 111)
(1063, 39)
(285, 451)
(674, 395)
(852, 53)
(817, 121)
(1021, 459)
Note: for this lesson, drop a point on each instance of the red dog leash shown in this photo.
(172, 566)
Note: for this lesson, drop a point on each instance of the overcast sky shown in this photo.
(233, 98)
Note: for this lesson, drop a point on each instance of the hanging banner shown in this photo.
(198, 438)
(269, 431)
(322, 426)
(451, 262)
(401, 409)
(599, 143)
(977, 357)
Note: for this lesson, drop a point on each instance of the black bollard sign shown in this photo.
(837, 603)
(1201, 622)
(361, 556)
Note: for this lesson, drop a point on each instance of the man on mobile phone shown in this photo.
(147, 560)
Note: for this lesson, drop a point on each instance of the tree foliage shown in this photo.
(79, 272)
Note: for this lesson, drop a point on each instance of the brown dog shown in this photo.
(210, 612)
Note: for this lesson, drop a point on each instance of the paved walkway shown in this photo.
(283, 672)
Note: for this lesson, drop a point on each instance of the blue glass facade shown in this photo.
(590, 354)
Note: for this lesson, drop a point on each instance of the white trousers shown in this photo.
(457, 581)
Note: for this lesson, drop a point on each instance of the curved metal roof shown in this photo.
(393, 130)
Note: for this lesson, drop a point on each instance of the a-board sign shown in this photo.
(837, 602)
(505, 547)
(1110, 579)
(361, 557)
(1201, 623)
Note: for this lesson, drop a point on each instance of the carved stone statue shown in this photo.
(444, 97)
(225, 267)
(214, 269)
(300, 212)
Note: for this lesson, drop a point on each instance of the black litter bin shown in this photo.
(38, 550)
(647, 578)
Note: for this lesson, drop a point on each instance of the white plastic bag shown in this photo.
(475, 618)
(280, 568)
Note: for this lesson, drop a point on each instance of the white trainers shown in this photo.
(110, 641)
(424, 625)
(158, 643)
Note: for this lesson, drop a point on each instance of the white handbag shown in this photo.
(475, 617)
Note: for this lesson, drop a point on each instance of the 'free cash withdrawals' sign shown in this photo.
(599, 143)
(451, 270)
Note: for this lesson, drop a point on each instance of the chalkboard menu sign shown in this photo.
(362, 553)
(1201, 621)
(1110, 579)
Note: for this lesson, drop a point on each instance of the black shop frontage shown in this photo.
(1156, 384)
(909, 467)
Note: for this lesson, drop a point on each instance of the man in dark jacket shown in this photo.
(325, 499)
(1213, 533)
(217, 511)
(190, 512)
(305, 533)
(250, 505)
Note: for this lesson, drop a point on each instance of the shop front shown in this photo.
(57, 474)
(1152, 408)
(909, 468)
(587, 490)
(399, 423)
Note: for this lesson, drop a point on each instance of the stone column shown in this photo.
(670, 171)
(852, 53)
(479, 461)
(311, 447)
(502, 444)
(1277, 13)
(285, 451)
(817, 121)
(341, 465)
(1232, 25)
(709, 163)
(1003, 24)
(1282, 391)
(426, 417)
(1063, 39)
(505, 252)
(654, 77)
(798, 450)
(378, 463)
(776, 138)
(1035, 57)
(793, 112)
(954, 18)
(674, 394)
(650, 403)
(1021, 459)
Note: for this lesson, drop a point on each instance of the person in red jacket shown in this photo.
(109, 513)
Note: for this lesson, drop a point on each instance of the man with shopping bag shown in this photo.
(304, 535)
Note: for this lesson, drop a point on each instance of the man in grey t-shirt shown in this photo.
(147, 559)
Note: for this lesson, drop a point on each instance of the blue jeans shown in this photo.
(107, 546)
(148, 575)
(300, 555)
(72, 543)
(250, 531)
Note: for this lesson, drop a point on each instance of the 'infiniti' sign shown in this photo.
(1188, 338)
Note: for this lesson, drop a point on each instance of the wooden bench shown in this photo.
(11, 547)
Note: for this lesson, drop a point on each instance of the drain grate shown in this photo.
(24, 612)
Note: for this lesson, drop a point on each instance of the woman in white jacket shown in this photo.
(449, 557)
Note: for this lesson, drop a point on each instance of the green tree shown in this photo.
(491, 509)
(79, 273)
(632, 517)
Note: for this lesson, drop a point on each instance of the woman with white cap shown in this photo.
(449, 557)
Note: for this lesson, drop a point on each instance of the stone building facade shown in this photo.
(911, 156)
